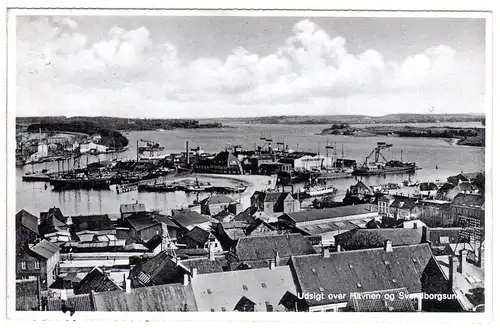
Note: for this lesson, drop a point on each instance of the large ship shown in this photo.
(381, 166)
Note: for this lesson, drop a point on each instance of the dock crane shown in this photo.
(376, 151)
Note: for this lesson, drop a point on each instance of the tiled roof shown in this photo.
(222, 291)
(161, 269)
(163, 219)
(132, 208)
(443, 236)
(264, 247)
(96, 280)
(404, 203)
(186, 218)
(373, 238)
(217, 199)
(380, 301)
(246, 215)
(273, 197)
(476, 201)
(27, 220)
(428, 186)
(78, 302)
(169, 297)
(338, 226)
(205, 265)
(45, 249)
(198, 235)
(140, 221)
(328, 213)
(362, 271)
(446, 187)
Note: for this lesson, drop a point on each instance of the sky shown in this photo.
(206, 66)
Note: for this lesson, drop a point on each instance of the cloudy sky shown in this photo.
(180, 67)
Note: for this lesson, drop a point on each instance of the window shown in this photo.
(245, 287)
(23, 265)
(37, 265)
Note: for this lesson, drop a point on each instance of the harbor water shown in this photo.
(437, 158)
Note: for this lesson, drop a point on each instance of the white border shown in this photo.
(306, 319)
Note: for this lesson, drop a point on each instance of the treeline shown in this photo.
(109, 137)
(120, 123)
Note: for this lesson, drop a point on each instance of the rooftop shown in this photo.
(329, 213)
(470, 200)
(27, 220)
(373, 238)
(264, 247)
(132, 208)
(217, 199)
(45, 249)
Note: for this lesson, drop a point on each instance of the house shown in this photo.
(435, 213)
(39, 260)
(428, 189)
(405, 208)
(224, 216)
(339, 274)
(52, 221)
(274, 202)
(256, 251)
(158, 270)
(468, 210)
(143, 227)
(224, 162)
(253, 290)
(384, 202)
(96, 280)
(475, 177)
(129, 209)
(26, 229)
(167, 225)
(214, 204)
(375, 238)
(228, 233)
(329, 222)
(199, 238)
(92, 147)
(381, 301)
(187, 219)
(96, 224)
(447, 191)
(260, 228)
(358, 194)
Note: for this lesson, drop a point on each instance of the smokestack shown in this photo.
(452, 275)
(388, 246)
(186, 279)
(128, 286)
(462, 259)
(187, 152)
(326, 252)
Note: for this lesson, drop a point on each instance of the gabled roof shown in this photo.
(222, 215)
(362, 271)
(394, 300)
(27, 220)
(92, 222)
(264, 247)
(223, 290)
(404, 203)
(169, 297)
(329, 213)
(473, 175)
(446, 187)
(427, 186)
(258, 225)
(467, 186)
(205, 265)
(163, 219)
(96, 280)
(198, 235)
(360, 188)
(217, 199)
(185, 217)
(140, 221)
(374, 238)
(246, 215)
(470, 200)
(132, 208)
(45, 249)
(161, 269)
(274, 197)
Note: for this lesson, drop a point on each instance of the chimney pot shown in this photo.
(186, 279)
(388, 246)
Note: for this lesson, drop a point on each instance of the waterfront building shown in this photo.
(307, 161)
(271, 202)
(26, 229)
(405, 208)
(40, 260)
(214, 204)
(223, 163)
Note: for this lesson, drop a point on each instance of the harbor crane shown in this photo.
(376, 151)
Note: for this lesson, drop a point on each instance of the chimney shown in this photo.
(211, 251)
(128, 286)
(326, 252)
(194, 272)
(424, 234)
(272, 265)
(276, 257)
(388, 246)
(481, 257)
(186, 279)
(339, 248)
(415, 225)
(69, 221)
(462, 259)
(187, 152)
(452, 275)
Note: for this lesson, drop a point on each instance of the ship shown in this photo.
(317, 190)
(381, 166)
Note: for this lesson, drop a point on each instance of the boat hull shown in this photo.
(396, 170)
